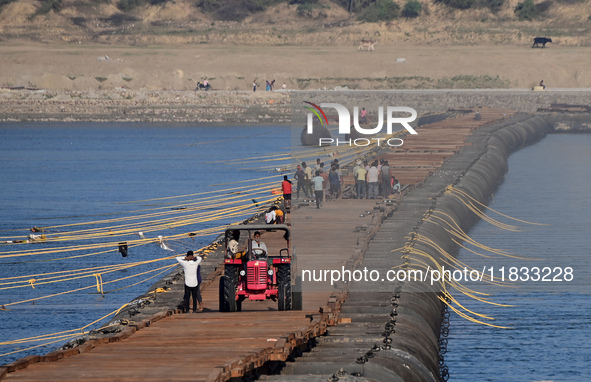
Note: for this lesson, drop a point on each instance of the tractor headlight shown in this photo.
(270, 272)
(242, 272)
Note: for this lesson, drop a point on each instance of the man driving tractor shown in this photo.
(259, 249)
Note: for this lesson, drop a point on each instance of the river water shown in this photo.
(55, 173)
(550, 321)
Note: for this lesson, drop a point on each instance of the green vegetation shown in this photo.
(232, 10)
(5, 2)
(473, 82)
(493, 5)
(412, 9)
(380, 10)
(408, 82)
(46, 6)
(129, 5)
(458, 4)
(526, 10)
(544, 7)
(101, 79)
(309, 8)
(237, 10)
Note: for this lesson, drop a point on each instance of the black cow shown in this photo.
(541, 40)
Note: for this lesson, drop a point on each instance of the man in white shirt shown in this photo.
(259, 249)
(372, 181)
(318, 188)
(190, 263)
(270, 216)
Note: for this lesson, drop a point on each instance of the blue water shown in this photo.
(550, 322)
(55, 173)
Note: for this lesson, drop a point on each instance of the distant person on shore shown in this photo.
(190, 264)
(284, 86)
(318, 188)
(542, 85)
(363, 116)
(270, 85)
(254, 85)
(203, 86)
(286, 187)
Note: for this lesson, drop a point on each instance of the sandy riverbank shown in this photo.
(228, 67)
(70, 82)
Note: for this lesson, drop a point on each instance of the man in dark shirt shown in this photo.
(299, 176)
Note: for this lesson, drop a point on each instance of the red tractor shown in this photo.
(254, 273)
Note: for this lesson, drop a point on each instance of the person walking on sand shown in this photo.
(254, 85)
(190, 264)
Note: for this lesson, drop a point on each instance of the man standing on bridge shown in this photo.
(190, 264)
(286, 188)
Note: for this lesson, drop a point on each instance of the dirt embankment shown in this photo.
(80, 67)
(182, 22)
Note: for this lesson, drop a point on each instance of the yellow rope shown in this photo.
(453, 189)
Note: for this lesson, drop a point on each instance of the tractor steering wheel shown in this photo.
(258, 252)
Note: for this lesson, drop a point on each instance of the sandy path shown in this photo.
(78, 67)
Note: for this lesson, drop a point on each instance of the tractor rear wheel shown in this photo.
(222, 298)
(229, 288)
(284, 287)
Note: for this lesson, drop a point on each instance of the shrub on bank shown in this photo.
(526, 10)
(381, 10)
(412, 9)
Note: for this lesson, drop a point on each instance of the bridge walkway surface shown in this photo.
(214, 346)
(354, 350)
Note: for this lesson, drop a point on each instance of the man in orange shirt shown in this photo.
(286, 187)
